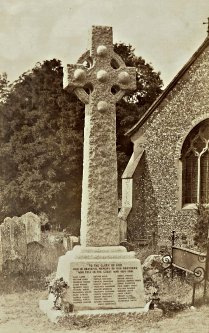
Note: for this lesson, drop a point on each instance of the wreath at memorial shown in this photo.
(59, 288)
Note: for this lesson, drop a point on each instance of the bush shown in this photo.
(201, 227)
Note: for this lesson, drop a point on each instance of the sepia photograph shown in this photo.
(104, 166)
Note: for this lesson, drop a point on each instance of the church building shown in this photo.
(168, 173)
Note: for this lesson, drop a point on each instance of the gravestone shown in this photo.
(100, 273)
(5, 242)
(13, 246)
(69, 242)
(35, 257)
(32, 224)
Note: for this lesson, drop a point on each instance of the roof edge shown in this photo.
(132, 165)
(175, 80)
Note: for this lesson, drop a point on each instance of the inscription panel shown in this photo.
(107, 284)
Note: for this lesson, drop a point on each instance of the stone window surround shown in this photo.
(178, 163)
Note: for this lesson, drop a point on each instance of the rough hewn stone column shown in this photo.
(107, 79)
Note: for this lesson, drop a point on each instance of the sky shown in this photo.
(164, 32)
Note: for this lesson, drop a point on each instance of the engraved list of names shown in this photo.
(105, 285)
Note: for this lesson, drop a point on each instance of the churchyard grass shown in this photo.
(27, 318)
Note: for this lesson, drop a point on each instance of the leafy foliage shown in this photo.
(41, 148)
(148, 81)
(4, 87)
(131, 108)
(59, 288)
(202, 227)
(42, 139)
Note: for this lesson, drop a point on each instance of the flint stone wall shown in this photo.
(157, 181)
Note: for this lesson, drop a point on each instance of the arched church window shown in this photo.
(195, 165)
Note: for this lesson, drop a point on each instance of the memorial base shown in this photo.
(55, 315)
(102, 278)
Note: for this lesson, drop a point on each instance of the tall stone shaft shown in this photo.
(99, 212)
(100, 86)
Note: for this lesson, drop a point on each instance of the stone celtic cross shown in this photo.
(100, 86)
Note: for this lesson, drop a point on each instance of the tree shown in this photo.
(41, 149)
(4, 87)
(201, 227)
(42, 139)
(133, 106)
(149, 83)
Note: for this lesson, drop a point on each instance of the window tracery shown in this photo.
(195, 160)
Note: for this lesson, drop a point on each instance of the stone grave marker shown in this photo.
(13, 246)
(5, 242)
(70, 241)
(100, 273)
(35, 256)
(32, 224)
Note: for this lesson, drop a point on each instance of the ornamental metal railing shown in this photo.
(195, 264)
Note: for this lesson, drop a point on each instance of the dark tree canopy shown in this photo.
(41, 148)
(133, 106)
(4, 87)
(42, 138)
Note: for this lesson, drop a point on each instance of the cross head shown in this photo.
(106, 79)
